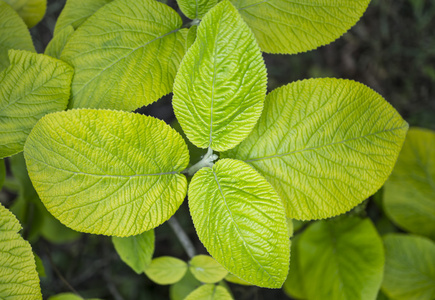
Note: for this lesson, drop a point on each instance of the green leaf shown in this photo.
(31, 11)
(76, 12)
(107, 172)
(220, 87)
(39, 265)
(325, 145)
(2, 172)
(191, 36)
(184, 287)
(18, 277)
(341, 259)
(409, 267)
(166, 270)
(13, 34)
(32, 86)
(288, 26)
(294, 284)
(65, 296)
(196, 9)
(409, 193)
(206, 269)
(240, 220)
(56, 45)
(209, 292)
(126, 55)
(234, 279)
(136, 251)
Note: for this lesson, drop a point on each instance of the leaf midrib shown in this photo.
(321, 146)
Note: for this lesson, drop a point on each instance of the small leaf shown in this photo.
(409, 267)
(184, 287)
(409, 193)
(18, 277)
(325, 145)
(39, 265)
(196, 9)
(288, 26)
(341, 259)
(56, 45)
(13, 34)
(76, 12)
(240, 220)
(65, 296)
(220, 87)
(166, 270)
(126, 55)
(209, 292)
(136, 251)
(32, 86)
(206, 269)
(32, 11)
(127, 165)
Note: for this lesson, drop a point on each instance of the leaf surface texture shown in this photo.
(166, 270)
(31, 11)
(196, 9)
(209, 292)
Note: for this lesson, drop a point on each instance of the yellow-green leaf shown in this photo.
(31, 11)
(13, 34)
(107, 172)
(125, 55)
(196, 9)
(240, 220)
(166, 270)
(221, 85)
(136, 251)
(56, 45)
(325, 145)
(289, 26)
(409, 193)
(206, 269)
(32, 86)
(209, 292)
(18, 276)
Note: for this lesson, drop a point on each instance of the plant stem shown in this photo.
(182, 237)
(206, 161)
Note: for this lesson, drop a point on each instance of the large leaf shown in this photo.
(107, 172)
(166, 270)
(220, 87)
(341, 259)
(32, 11)
(13, 34)
(325, 145)
(209, 292)
(136, 251)
(409, 193)
(409, 267)
(76, 12)
(196, 9)
(18, 276)
(206, 269)
(240, 220)
(289, 26)
(32, 86)
(56, 45)
(125, 55)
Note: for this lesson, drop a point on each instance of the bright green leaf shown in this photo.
(294, 285)
(184, 287)
(206, 269)
(325, 145)
(240, 220)
(56, 45)
(289, 26)
(166, 270)
(409, 267)
(234, 279)
(136, 251)
(76, 12)
(209, 292)
(341, 259)
(31, 11)
(191, 36)
(65, 296)
(125, 55)
(2, 172)
(13, 34)
(107, 172)
(409, 193)
(220, 87)
(18, 276)
(32, 86)
(196, 9)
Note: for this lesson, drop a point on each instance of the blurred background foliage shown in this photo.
(391, 49)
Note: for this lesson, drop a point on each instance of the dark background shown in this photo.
(391, 49)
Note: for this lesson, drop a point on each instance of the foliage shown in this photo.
(309, 150)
